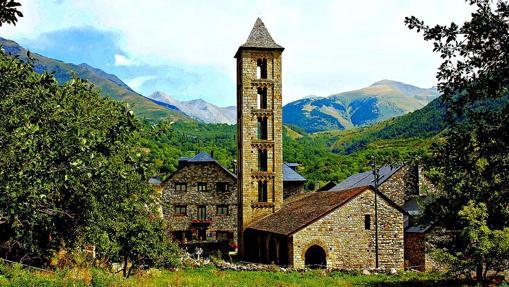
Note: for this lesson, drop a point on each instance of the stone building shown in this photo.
(259, 127)
(201, 199)
(330, 229)
(334, 229)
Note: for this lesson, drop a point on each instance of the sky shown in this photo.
(186, 48)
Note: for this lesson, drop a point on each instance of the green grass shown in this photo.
(211, 276)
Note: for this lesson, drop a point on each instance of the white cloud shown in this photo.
(136, 83)
(121, 60)
(331, 46)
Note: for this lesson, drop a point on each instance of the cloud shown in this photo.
(331, 46)
(137, 82)
(121, 60)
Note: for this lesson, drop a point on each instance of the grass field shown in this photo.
(210, 276)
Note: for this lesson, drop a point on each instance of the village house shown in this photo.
(202, 202)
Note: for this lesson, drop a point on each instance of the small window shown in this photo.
(262, 129)
(180, 186)
(367, 222)
(262, 98)
(224, 235)
(262, 191)
(202, 186)
(180, 210)
(262, 160)
(261, 69)
(202, 212)
(222, 186)
(223, 210)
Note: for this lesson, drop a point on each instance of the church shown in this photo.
(261, 205)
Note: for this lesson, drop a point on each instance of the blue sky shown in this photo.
(186, 48)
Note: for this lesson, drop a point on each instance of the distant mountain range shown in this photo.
(198, 109)
(380, 101)
(109, 84)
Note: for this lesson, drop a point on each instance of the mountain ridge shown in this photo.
(109, 84)
(198, 109)
(380, 101)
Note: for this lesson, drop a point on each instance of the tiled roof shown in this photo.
(260, 37)
(367, 178)
(300, 213)
(291, 175)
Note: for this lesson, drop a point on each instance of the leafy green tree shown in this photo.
(471, 161)
(9, 12)
(72, 173)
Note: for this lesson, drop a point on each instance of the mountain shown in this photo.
(198, 109)
(380, 101)
(109, 84)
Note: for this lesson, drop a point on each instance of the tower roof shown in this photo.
(260, 38)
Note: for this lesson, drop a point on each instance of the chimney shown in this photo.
(212, 153)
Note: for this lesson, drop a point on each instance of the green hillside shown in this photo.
(324, 156)
(110, 85)
(380, 101)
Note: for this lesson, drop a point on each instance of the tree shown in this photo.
(470, 163)
(9, 12)
(72, 173)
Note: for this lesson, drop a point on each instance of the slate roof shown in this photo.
(260, 38)
(418, 229)
(154, 181)
(201, 157)
(291, 175)
(300, 213)
(367, 178)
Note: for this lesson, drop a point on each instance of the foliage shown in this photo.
(9, 12)
(482, 246)
(72, 173)
(471, 163)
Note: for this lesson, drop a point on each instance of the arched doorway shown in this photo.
(315, 257)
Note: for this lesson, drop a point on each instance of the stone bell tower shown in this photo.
(259, 128)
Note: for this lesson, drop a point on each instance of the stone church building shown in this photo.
(262, 206)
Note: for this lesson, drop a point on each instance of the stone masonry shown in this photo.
(259, 48)
(346, 242)
(209, 173)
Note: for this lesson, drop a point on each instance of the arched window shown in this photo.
(262, 160)
(262, 191)
(261, 69)
(262, 98)
(262, 129)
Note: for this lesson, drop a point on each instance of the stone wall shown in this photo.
(248, 143)
(402, 185)
(347, 244)
(193, 173)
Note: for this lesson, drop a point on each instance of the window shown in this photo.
(367, 222)
(261, 69)
(224, 235)
(202, 186)
(262, 160)
(222, 210)
(180, 186)
(202, 212)
(262, 98)
(222, 186)
(262, 128)
(180, 210)
(262, 191)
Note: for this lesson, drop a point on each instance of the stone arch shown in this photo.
(314, 242)
(315, 257)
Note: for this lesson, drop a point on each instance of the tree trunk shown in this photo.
(125, 267)
(479, 272)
